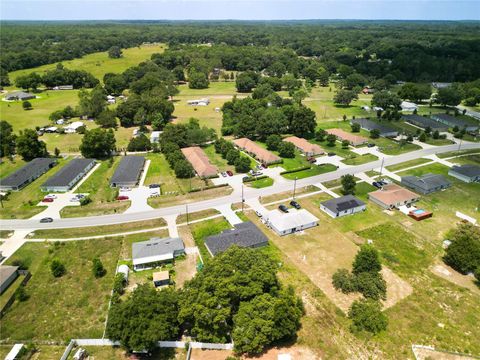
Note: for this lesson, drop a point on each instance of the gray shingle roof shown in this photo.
(370, 125)
(155, 247)
(6, 271)
(424, 122)
(245, 234)
(426, 182)
(128, 171)
(68, 173)
(343, 203)
(467, 170)
(453, 121)
(20, 95)
(34, 167)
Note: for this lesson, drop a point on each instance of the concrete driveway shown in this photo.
(334, 160)
(53, 208)
(138, 198)
(370, 150)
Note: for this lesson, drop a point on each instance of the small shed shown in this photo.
(123, 269)
(161, 278)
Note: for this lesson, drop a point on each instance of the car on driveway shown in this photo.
(295, 204)
(229, 173)
(46, 220)
(123, 189)
(258, 214)
(50, 196)
(154, 186)
(311, 159)
(370, 145)
(122, 197)
(47, 200)
(331, 154)
(224, 174)
(377, 184)
(75, 199)
(283, 208)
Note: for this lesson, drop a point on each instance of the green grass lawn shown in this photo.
(99, 190)
(72, 306)
(10, 291)
(214, 89)
(314, 170)
(408, 164)
(457, 153)
(360, 159)
(200, 231)
(435, 168)
(261, 183)
(23, 204)
(361, 190)
(7, 167)
(217, 160)
(469, 159)
(99, 63)
(438, 142)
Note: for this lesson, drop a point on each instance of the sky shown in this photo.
(239, 9)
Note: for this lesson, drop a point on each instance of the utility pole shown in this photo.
(242, 198)
(294, 187)
(459, 145)
(186, 208)
(381, 166)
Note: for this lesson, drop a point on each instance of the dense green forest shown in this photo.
(408, 51)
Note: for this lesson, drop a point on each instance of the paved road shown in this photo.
(249, 193)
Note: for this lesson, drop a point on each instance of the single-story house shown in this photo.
(353, 139)
(424, 122)
(8, 274)
(369, 125)
(304, 146)
(128, 172)
(288, 223)
(148, 254)
(19, 95)
(408, 106)
(246, 235)
(453, 121)
(198, 102)
(200, 162)
(261, 154)
(393, 196)
(68, 176)
(466, 173)
(161, 278)
(441, 85)
(28, 173)
(155, 136)
(344, 205)
(368, 90)
(72, 128)
(63, 87)
(427, 183)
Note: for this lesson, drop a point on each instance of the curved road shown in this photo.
(233, 198)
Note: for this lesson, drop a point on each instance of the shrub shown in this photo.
(57, 268)
(21, 294)
(97, 268)
(371, 285)
(367, 315)
(463, 254)
(367, 260)
(344, 281)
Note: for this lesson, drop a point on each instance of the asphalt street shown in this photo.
(248, 193)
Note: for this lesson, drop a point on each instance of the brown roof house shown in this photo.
(261, 154)
(304, 146)
(393, 196)
(200, 162)
(354, 140)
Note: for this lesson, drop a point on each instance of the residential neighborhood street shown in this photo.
(235, 197)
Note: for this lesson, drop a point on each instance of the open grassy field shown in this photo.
(217, 160)
(408, 164)
(8, 166)
(99, 190)
(360, 159)
(74, 305)
(23, 204)
(98, 64)
(10, 291)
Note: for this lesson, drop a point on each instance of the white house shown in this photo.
(111, 99)
(344, 205)
(72, 128)
(288, 223)
(199, 102)
(155, 136)
(408, 106)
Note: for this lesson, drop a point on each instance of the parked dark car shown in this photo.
(377, 184)
(371, 145)
(229, 173)
(331, 154)
(46, 220)
(311, 159)
(122, 197)
(295, 204)
(283, 208)
(154, 186)
(47, 200)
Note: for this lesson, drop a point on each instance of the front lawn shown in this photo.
(360, 159)
(261, 183)
(72, 306)
(408, 164)
(314, 170)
